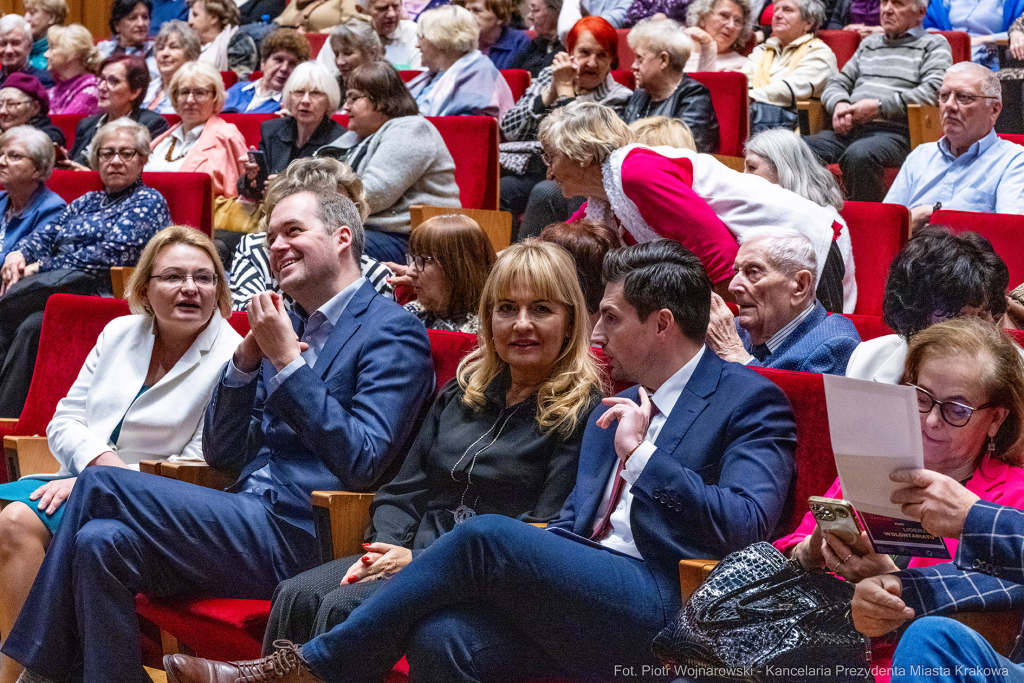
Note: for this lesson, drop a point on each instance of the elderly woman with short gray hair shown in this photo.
(175, 44)
(26, 204)
(662, 89)
(792, 65)
(354, 43)
(720, 29)
(459, 80)
(648, 193)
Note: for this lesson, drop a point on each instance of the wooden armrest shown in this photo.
(692, 574)
(925, 124)
(198, 473)
(150, 466)
(28, 455)
(341, 519)
(814, 110)
(539, 525)
(8, 421)
(999, 628)
(496, 224)
(735, 163)
(119, 280)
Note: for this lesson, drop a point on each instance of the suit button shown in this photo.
(976, 565)
(258, 489)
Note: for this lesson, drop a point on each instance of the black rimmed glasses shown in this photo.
(955, 414)
(126, 154)
(175, 279)
(418, 262)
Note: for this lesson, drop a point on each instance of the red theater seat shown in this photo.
(67, 124)
(1004, 231)
(1014, 138)
(71, 325)
(626, 54)
(888, 176)
(189, 195)
(249, 125)
(959, 43)
(877, 232)
(842, 43)
(409, 74)
(625, 78)
(229, 78)
(869, 326)
(729, 98)
(518, 81)
(316, 43)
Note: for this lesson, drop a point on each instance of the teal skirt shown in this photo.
(19, 492)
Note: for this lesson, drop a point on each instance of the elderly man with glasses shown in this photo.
(779, 324)
(970, 168)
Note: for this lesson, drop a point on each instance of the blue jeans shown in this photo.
(499, 600)
(125, 533)
(386, 246)
(940, 650)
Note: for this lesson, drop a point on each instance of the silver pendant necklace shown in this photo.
(465, 512)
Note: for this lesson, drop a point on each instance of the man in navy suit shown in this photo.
(496, 599)
(987, 574)
(324, 401)
(780, 323)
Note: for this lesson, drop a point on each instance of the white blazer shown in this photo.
(165, 422)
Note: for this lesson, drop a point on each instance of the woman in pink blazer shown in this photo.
(203, 142)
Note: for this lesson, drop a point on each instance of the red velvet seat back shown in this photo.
(842, 43)
(815, 462)
(447, 349)
(316, 43)
(626, 54)
(518, 81)
(1017, 336)
(959, 43)
(877, 232)
(240, 321)
(71, 325)
(729, 99)
(869, 326)
(409, 74)
(189, 195)
(1012, 137)
(473, 144)
(229, 78)
(888, 176)
(1004, 231)
(249, 125)
(67, 124)
(625, 78)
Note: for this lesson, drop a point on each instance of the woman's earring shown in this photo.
(991, 446)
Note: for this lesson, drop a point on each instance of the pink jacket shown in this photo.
(216, 152)
(994, 481)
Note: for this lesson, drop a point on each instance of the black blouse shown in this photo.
(494, 460)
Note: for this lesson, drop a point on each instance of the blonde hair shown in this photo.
(203, 75)
(138, 283)
(663, 131)
(316, 174)
(586, 132)
(58, 9)
(450, 29)
(996, 362)
(224, 11)
(545, 269)
(76, 40)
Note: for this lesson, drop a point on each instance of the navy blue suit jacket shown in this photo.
(821, 343)
(717, 481)
(337, 425)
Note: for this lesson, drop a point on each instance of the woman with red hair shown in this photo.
(582, 74)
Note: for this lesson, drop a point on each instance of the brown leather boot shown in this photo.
(284, 666)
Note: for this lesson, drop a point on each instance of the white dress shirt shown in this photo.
(183, 142)
(621, 536)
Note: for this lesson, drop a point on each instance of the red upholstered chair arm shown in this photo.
(341, 519)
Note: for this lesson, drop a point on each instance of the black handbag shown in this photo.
(761, 617)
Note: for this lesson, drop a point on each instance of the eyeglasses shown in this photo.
(13, 156)
(313, 94)
(418, 262)
(174, 279)
(955, 414)
(13, 104)
(962, 98)
(545, 157)
(352, 99)
(126, 154)
(199, 94)
(112, 81)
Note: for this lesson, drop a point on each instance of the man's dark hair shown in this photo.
(663, 274)
(939, 273)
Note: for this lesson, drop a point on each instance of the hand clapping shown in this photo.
(270, 335)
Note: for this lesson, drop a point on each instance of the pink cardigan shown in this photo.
(994, 481)
(216, 152)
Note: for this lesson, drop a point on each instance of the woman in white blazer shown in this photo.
(141, 395)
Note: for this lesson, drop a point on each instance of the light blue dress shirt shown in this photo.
(988, 177)
(979, 18)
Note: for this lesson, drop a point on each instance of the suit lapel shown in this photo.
(692, 401)
(348, 324)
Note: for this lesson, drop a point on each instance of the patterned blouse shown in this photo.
(98, 231)
(250, 272)
(467, 322)
(77, 96)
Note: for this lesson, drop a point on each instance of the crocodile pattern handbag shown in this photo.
(761, 617)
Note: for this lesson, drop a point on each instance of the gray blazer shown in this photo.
(405, 162)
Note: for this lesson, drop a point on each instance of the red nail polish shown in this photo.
(366, 545)
(351, 579)
(366, 560)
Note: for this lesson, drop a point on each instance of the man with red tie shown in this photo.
(694, 462)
